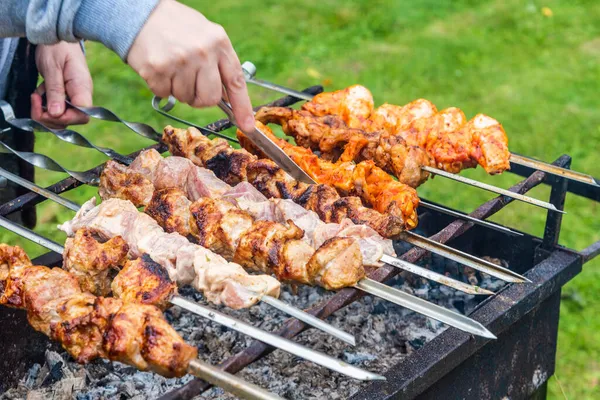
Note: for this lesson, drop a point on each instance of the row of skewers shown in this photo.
(301, 233)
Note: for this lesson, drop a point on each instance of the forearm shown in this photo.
(115, 23)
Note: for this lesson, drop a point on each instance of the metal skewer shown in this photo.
(463, 258)
(467, 217)
(42, 161)
(249, 70)
(223, 319)
(553, 169)
(393, 295)
(494, 189)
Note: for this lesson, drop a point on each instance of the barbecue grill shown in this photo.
(523, 317)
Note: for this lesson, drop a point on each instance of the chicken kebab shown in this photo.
(90, 326)
(344, 126)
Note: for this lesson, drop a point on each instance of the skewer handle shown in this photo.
(229, 382)
(249, 70)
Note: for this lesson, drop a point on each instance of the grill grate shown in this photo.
(554, 266)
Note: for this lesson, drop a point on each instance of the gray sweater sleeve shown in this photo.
(115, 23)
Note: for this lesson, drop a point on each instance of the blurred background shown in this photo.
(533, 65)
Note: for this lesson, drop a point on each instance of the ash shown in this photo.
(385, 334)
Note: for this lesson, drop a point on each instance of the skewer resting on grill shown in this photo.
(45, 162)
(400, 298)
(223, 319)
(90, 326)
(250, 73)
(234, 166)
(168, 186)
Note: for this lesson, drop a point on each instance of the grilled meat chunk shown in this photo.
(91, 261)
(144, 281)
(234, 166)
(354, 104)
(117, 182)
(170, 207)
(89, 327)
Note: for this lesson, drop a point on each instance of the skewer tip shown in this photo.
(482, 291)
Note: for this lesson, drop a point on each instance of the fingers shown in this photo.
(208, 87)
(237, 92)
(55, 90)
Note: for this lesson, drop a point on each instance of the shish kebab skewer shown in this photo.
(148, 132)
(45, 162)
(403, 299)
(234, 166)
(223, 319)
(76, 138)
(90, 326)
(162, 185)
(250, 75)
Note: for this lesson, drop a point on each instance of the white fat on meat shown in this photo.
(220, 281)
(372, 245)
(243, 191)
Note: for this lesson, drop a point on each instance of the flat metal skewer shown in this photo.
(463, 258)
(494, 189)
(223, 319)
(553, 169)
(467, 217)
(276, 303)
(431, 310)
(229, 382)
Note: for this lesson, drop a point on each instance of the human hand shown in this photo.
(65, 73)
(181, 53)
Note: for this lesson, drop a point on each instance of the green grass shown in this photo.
(539, 75)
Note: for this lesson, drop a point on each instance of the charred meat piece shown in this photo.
(91, 261)
(89, 327)
(117, 182)
(144, 281)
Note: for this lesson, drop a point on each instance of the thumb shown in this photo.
(55, 92)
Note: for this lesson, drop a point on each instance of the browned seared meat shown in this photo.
(117, 181)
(92, 261)
(144, 281)
(89, 327)
(234, 166)
(218, 225)
(332, 264)
(171, 209)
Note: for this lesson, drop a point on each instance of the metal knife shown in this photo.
(271, 149)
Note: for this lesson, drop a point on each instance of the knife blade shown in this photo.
(270, 148)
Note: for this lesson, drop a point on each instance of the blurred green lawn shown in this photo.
(535, 66)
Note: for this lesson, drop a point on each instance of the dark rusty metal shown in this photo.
(558, 195)
(578, 188)
(591, 251)
(525, 319)
(344, 297)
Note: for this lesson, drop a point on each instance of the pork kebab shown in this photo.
(191, 200)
